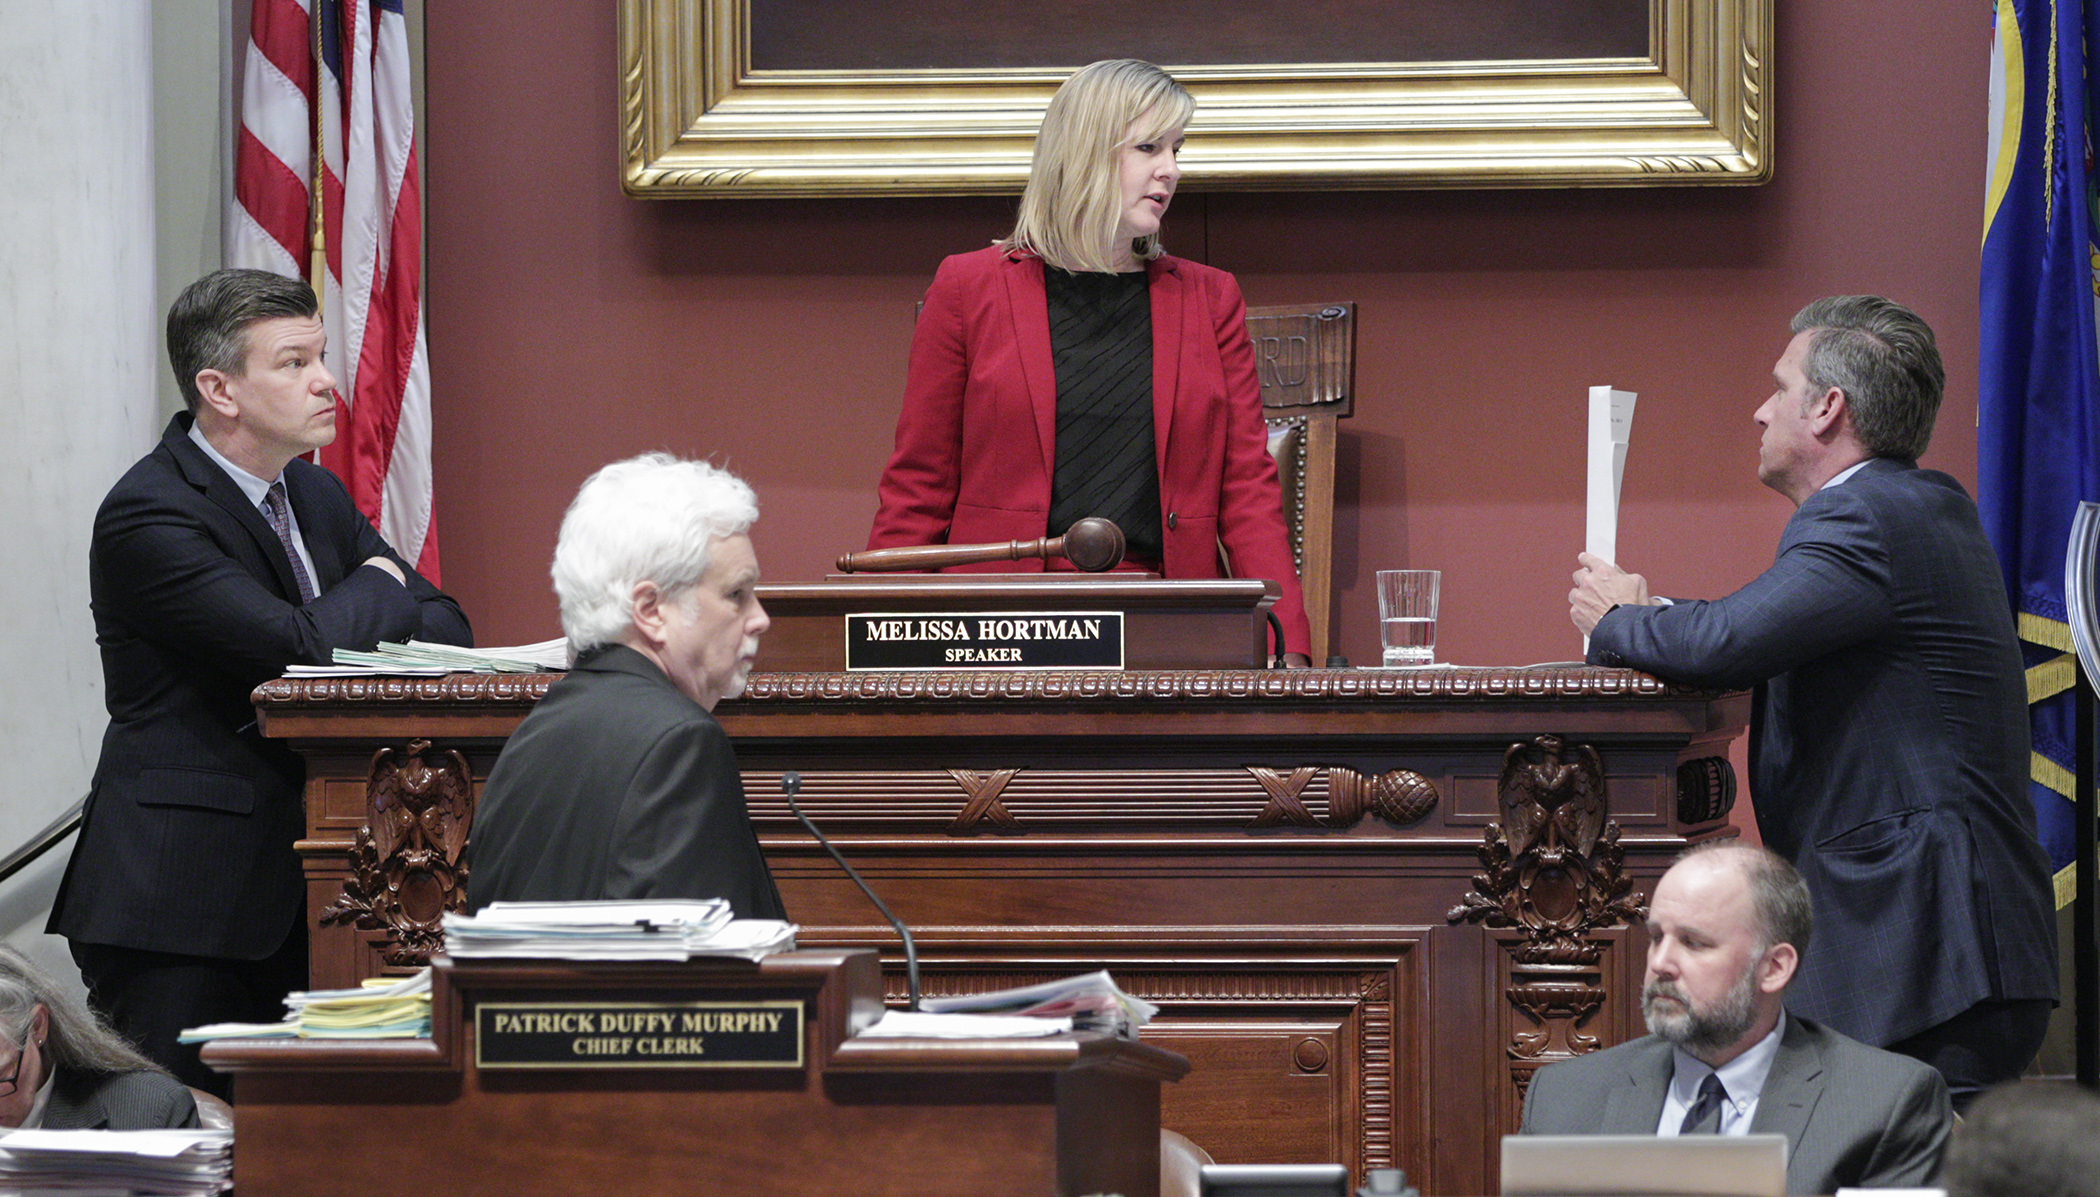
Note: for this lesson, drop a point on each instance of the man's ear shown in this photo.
(214, 392)
(1828, 413)
(1776, 971)
(647, 606)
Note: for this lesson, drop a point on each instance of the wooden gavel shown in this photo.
(1092, 544)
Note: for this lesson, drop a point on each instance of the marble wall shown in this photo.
(79, 370)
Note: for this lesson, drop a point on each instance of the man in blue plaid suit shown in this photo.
(1889, 741)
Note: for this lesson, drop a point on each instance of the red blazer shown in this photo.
(977, 436)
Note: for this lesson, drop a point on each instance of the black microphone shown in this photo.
(790, 785)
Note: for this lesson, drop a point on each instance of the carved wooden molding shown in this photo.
(1553, 871)
(1041, 800)
(405, 871)
(1402, 797)
(1085, 686)
(983, 806)
(1368, 993)
(1705, 789)
(1559, 999)
(1553, 865)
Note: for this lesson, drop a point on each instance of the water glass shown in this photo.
(1407, 615)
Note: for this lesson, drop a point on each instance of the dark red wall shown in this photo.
(570, 325)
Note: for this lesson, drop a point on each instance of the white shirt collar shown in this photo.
(1743, 1078)
(253, 487)
(1841, 475)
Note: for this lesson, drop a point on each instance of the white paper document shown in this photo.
(905, 1024)
(1611, 430)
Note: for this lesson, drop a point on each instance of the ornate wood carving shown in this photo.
(1402, 797)
(983, 807)
(1705, 789)
(1553, 871)
(1084, 686)
(1366, 995)
(405, 871)
(1284, 805)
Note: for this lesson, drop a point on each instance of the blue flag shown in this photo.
(2038, 435)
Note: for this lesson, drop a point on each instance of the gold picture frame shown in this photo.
(697, 121)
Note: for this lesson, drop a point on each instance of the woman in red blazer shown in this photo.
(1002, 356)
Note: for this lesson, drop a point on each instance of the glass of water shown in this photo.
(1407, 615)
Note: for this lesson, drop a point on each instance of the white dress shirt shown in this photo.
(257, 489)
(1743, 1079)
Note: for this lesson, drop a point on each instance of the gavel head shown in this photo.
(1094, 544)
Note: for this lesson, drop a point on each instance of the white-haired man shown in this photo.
(1726, 929)
(620, 784)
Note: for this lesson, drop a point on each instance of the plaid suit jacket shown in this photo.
(1888, 750)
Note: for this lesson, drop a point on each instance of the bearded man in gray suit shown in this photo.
(1726, 930)
(1888, 734)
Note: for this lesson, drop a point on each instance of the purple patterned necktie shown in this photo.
(278, 511)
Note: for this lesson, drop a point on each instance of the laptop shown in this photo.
(1644, 1165)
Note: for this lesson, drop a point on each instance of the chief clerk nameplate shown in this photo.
(758, 1034)
(985, 640)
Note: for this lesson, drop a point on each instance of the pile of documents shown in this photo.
(174, 1162)
(1092, 1002)
(419, 658)
(653, 930)
(381, 1008)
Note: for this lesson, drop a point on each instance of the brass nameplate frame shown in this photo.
(951, 641)
(754, 1034)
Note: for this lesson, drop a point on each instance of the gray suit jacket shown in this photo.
(118, 1101)
(617, 785)
(1888, 748)
(1853, 1115)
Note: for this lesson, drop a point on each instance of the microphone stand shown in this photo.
(790, 785)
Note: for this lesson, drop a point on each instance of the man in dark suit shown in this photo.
(1889, 741)
(217, 560)
(1725, 933)
(620, 784)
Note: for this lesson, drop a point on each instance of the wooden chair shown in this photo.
(1306, 356)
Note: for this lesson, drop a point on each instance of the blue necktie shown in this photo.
(1704, 1118)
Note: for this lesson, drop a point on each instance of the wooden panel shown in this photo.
(1314, 875)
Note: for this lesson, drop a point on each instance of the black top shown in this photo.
(1101, 348)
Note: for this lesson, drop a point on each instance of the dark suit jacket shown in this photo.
(118, 1101)
(1853, 1115)
(617, 786)
(977, 436)
(1888, 750)
(187, 845)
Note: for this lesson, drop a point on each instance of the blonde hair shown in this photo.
(1072, 206)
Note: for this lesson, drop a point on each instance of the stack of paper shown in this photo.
(381, 1008)
(420, 658)
(1090, 1002)
(660, 930)
(908, 1024)
(175, 1162)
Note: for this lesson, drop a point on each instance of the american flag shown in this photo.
(372, 222)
